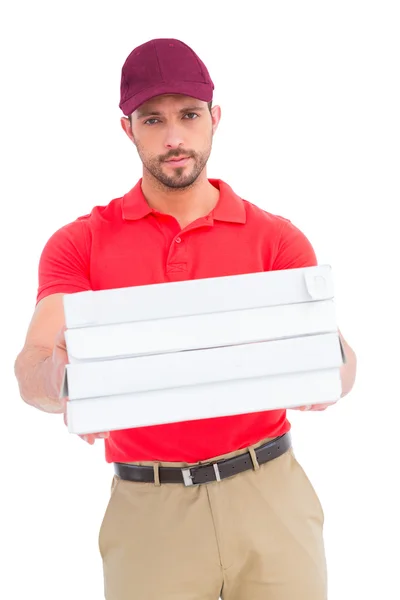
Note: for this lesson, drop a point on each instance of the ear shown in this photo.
(126, 126)
(215, 117)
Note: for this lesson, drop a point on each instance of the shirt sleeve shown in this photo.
(294, 249)
(64, 264)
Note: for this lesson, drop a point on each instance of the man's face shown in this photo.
(170, 127)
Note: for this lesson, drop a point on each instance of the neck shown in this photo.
(185, 205)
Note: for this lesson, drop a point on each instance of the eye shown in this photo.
(191, 114)
(148, 120)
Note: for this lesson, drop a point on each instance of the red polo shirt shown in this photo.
(126, 243)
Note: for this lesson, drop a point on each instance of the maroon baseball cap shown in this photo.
(163, 66)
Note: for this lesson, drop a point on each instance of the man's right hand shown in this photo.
(57, 364)
(40, 366)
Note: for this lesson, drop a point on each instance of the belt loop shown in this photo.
(254, 458)
(157, 474)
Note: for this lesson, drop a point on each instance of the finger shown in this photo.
(64, 409)
(88, 438)
(60, 337)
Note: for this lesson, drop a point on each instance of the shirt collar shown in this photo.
(230, 206)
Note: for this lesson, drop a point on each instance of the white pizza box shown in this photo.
(305, 370)
(196, 367)
(193, 332)
(127, 411)
(198, 296)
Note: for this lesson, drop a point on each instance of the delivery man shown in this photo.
(208, 508)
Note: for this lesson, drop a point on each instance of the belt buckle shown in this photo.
(188, 477)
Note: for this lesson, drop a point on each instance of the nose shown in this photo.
(173, 138)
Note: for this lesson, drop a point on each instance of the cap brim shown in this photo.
(198, 90)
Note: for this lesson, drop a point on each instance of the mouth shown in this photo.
(178, 162)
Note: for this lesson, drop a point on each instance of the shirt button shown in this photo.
(178, 240)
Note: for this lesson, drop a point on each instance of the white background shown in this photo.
(310, 130)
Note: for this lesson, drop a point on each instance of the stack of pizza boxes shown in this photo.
(204, 348)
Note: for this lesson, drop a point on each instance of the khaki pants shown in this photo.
(255, 536)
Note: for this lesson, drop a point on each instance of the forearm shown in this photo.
(349, 369)
(33, 372)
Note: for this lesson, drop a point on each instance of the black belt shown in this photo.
(207, 472)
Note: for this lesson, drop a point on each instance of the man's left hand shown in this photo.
(90, 438)
(314, 407)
